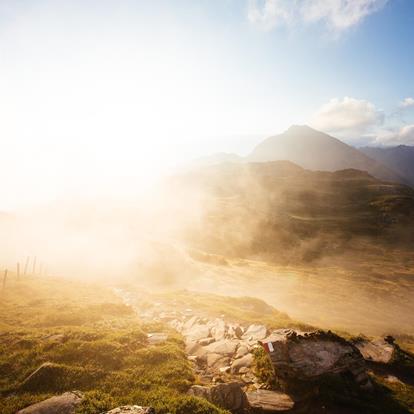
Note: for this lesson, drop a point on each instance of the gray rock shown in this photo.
(218, 329)
(197, 332)
(244, 362)
(189, 324)
(229, 396)
(306, 357)
(206, 341)
(60, 404)
(132, 409)
(255, 333)
(217, 360)
(242, 350)
(224, 347)
(270, 401)
(378, 350)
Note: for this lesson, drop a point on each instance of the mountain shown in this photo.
(400, 159)
(315, 150)
(282, 210)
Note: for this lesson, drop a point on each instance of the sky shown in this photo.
(100, 97)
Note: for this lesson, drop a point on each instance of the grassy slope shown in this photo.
(96, 345)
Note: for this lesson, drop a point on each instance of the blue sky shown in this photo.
(125, 89)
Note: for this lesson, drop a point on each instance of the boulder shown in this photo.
(197, 331)
(224, 347)
(131, 409)
(50, 377)
(378, 350)
(206, 341)
(217, 360)
(270, 401)
(255, 333)
(189, 324)
(218, 329)
(244, 362)
(229, 396)
(59, 404)
(242, 350)
(306, 357)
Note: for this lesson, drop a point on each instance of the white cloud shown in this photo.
(403, 135)
(338, 15)
(348, 116)
(407, 103)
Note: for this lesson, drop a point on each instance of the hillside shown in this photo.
(315, 150)
(400, 159)
(275, 208)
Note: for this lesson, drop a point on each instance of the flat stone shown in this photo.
(131, 409)
(270, 401)
(244, 362)
(377, 350)
(217, 360)
(229, 396)
(206, 341)
(255, 333)
(242, 350)
(197, 332)
(224, 347)
(218, 329)
(60, 404)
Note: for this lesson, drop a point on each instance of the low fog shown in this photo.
(266, 230)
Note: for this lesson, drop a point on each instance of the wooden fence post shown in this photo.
(18, 270)
(5, 278)
(34, 266)
(26, 265)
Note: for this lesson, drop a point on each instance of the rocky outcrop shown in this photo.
(60, 404)
(132, 409)
(382, 350)
(228, 396)
(263, 401)
(307, 357)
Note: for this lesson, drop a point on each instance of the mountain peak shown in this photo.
(300, 128)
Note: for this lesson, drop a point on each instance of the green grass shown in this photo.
(92, 343)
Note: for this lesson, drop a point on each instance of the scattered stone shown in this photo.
(378, 350)
(197, 331)
(255, 333)
(217, 360)
(244, 370)
(242, 350)
(131, 409)
(270, 401)
(189, 324)
(244, 362)
(206, 341)
(218, 329)
(306, 357)
(229, 396)
(224, 347)
(393, 379)
(157, 338)
(60, 404)
(225, 369)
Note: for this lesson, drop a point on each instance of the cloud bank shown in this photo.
(337, 15)
(348, 116)
(407, 103)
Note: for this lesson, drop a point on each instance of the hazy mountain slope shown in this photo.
(315, 150)
(399, 159)
(278, 208)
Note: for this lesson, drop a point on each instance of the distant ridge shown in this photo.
(315, 150)
(400, 159)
